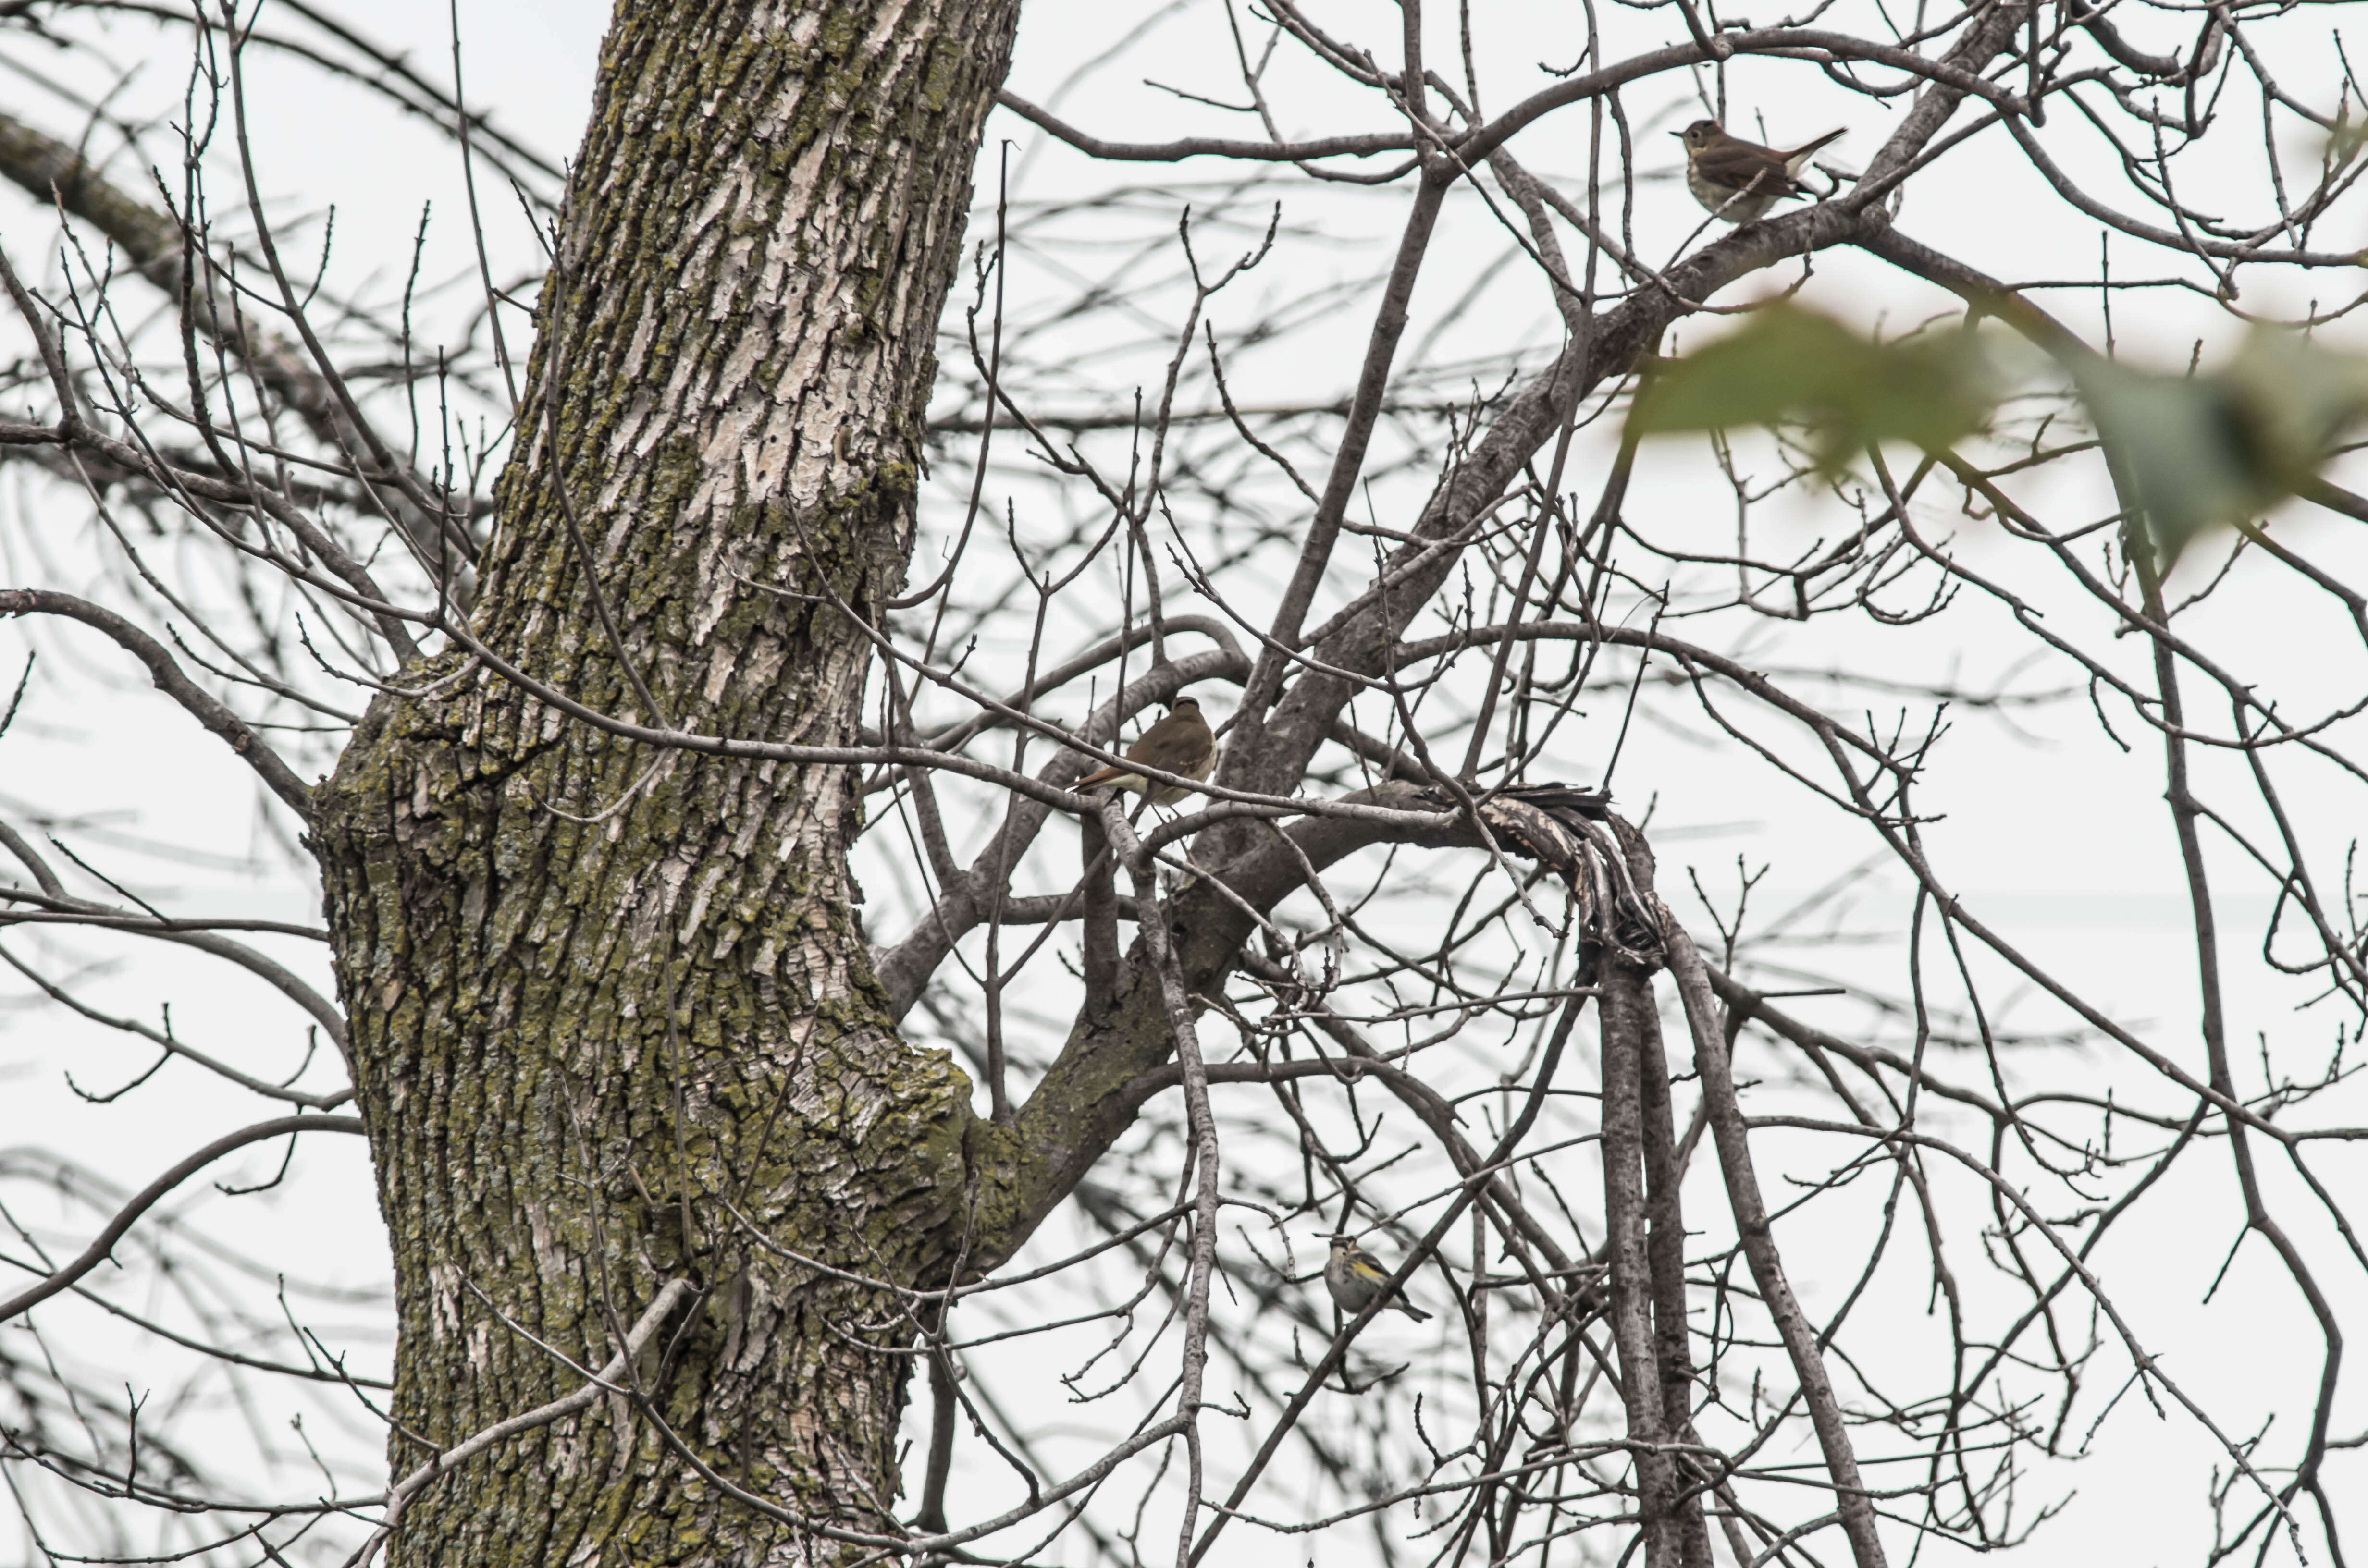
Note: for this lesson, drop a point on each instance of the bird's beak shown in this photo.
(1679, 134)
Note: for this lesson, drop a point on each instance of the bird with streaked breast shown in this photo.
(1352, 1276)
(1180, 743)
(1737, 180)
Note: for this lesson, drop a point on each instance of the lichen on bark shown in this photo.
(612, 1024)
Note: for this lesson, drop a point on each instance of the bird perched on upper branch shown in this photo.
(1180, 743)
(1352, 1277)
(1739, 180)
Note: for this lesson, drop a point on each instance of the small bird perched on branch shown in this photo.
(1180, 743)
(1739, 180)
(1352, 1277)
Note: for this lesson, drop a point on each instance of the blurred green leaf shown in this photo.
(2192, 452)
(2201, 453)
(2344, 139)
(1788, 364)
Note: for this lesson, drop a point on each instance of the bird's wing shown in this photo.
(1744, 167)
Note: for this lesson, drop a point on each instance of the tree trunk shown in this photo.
(613, 1025)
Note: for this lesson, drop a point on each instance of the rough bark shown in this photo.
(587, 1047)
(1639, 1015)
(1627, 1001)
(1666, 1253)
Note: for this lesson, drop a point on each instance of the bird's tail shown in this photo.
(1800, 155)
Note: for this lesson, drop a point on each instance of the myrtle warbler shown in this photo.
(1739, 180)
(1352, 1277)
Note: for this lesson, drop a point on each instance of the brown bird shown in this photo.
(1180, 743)
(1739, 180)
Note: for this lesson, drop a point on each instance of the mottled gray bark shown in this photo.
(604, 1004)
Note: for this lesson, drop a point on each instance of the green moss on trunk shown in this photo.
(594, 1009)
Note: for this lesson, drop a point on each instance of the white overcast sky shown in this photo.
(2064, 842)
